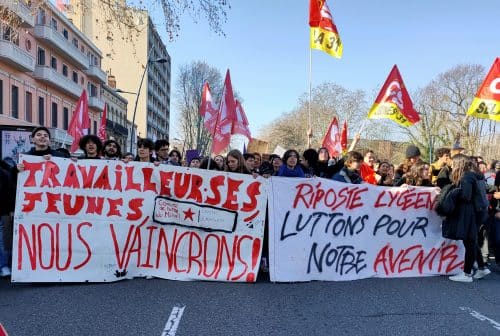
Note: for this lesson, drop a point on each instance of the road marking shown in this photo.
(173, 321)
(481, 317)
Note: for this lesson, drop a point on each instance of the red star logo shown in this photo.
(188, 214)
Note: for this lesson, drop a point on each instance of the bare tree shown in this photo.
(328, 100)
(189, 89)
(214, 11)
(443, 105)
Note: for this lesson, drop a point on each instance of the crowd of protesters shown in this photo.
(466, 179)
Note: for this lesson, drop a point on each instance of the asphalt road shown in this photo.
(409, 306)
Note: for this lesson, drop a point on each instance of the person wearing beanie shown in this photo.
(413, 154)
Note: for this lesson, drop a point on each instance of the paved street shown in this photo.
(410, 306)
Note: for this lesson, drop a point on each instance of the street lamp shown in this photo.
(122, 91)
(159, 60)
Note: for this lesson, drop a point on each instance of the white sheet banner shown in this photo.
(98, 220)
(325, 230)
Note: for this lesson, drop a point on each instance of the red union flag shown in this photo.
(208, 109)
(331, 141)
(101, 134)
(343, 138)
(240, 125)
(394, 102)
(486, 103)
(225, 118)
(324, 34)
(80, 121)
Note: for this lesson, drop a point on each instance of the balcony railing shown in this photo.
(116, 127)
(62, 45)
(97, 73)
(96, 103)
(55, 79)
(24, 13)
(16, 57)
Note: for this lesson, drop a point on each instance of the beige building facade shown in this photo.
(44, 67)
(126, 55)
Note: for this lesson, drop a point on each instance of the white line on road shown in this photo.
(173, 321)
(481, 317)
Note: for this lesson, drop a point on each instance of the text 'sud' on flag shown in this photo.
(394, 102)
(486, 103)
(324, 33)
(80, 121)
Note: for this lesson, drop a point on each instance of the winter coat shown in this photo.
(348, 176)
(48, 151)
(463, 222)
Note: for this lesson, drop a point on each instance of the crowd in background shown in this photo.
(469, 187)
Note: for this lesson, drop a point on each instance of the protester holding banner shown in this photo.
(350, 172)
(235, 162)
(41, 140)
(249, 161)
(418, 176)
(145, 148)
(386, 174)
(310, 162)
(161, 150)
(7, 194)
(91, 145)
(112, 150)
(290, 166)
(462, 223)
(276, 162)
(322, 165)
(219, 160)
(174, 158)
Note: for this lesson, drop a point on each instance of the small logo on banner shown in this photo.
(193, 215)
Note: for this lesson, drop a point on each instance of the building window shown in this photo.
(75, 42)
(28, 107)
(53, 63)
(54, 115)
(65, 118)
(65, 33)
(40, 18)
(15, 101)
(65, 70)
(41, 111)
(75, 77)
(1, 97)
(92, 89)
(95, 127)
(41, 57)
(53, 23)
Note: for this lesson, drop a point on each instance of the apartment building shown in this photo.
(116, 114)
(127, 54)
(44, 67)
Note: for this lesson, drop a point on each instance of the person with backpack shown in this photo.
(462, 222)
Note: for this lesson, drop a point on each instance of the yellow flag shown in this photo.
(324, 34)
(486, 103)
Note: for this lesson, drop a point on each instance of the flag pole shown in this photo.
(215, 131)
(309, 131)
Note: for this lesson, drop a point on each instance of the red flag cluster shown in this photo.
(335, 141)
(228, 119)
(80, 122)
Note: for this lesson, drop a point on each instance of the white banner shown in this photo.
(325, 230)
(98, 220)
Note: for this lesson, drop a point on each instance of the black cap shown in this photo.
(412, 151)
